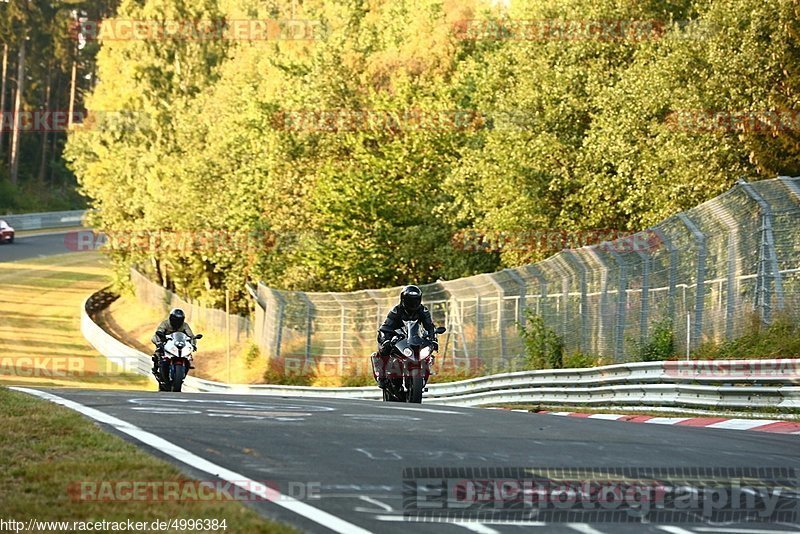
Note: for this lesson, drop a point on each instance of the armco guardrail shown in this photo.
(720, 384)
(40, 221)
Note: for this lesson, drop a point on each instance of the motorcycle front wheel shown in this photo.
(415, 392)
(177, 378)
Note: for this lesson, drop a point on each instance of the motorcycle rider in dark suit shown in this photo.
(410, 308)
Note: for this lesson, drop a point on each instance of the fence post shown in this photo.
(309, 325)
(542, 300)
(478, 328)
(521, 304)
(584, 306)
(558, 261)
(622, 301)
(767, 260)
(604, 316)
(673, 273)
(500, 323)
(644, 316)
(521, 307)
(700, 287)
(732, 276)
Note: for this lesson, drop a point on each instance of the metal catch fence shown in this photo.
(707, 272)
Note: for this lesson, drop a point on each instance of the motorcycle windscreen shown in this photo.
(414, 339)
(180, 339)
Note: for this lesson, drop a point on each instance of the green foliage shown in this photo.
(29, 198)
(544, 349)
(781, 339)
(251, 354)
(660, 344)
(279, 373)
(578, 360)
(572, 134)
(43, 182)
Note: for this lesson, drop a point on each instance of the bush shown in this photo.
(781, 339)
(544, 349)
(659, 346)
(579, 360)
(251, 354)
(279, 373)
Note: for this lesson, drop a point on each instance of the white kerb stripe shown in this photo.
(741, 424)
(675, 530)
(478, 527)
(584, 528)
(610, 417)
(309, 512)
(666, 420)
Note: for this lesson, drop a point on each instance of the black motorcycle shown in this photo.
(408, 367)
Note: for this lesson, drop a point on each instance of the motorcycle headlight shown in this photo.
(425, 352)
(408, 352)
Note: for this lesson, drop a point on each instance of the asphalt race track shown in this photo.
(35, 246)
(351, 454)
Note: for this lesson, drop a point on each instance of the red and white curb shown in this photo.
(758, 425)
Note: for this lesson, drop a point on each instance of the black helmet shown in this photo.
(176, 318)
(411, 298)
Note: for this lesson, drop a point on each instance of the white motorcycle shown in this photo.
(176, 361)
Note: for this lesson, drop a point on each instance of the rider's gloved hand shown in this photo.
(386, 348)
(435, 345)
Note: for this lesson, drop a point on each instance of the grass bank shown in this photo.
(40, 336)
(47, 450)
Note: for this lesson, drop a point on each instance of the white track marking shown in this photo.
(400, 518)
(423, 410)
(382, 505)
(675, 530)
(477, 527)
(741, 424)
(609, 416)
(325, 519)
(740, 530)
(666, 421)
(584, 528)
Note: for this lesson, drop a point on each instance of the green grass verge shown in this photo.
(45, 449)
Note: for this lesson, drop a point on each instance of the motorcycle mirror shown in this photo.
(440, 330)
(199, 336)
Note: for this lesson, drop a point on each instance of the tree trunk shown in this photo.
(72, 90)
(54, 137)
(16, 133)
(45, 133)
(4, 75)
